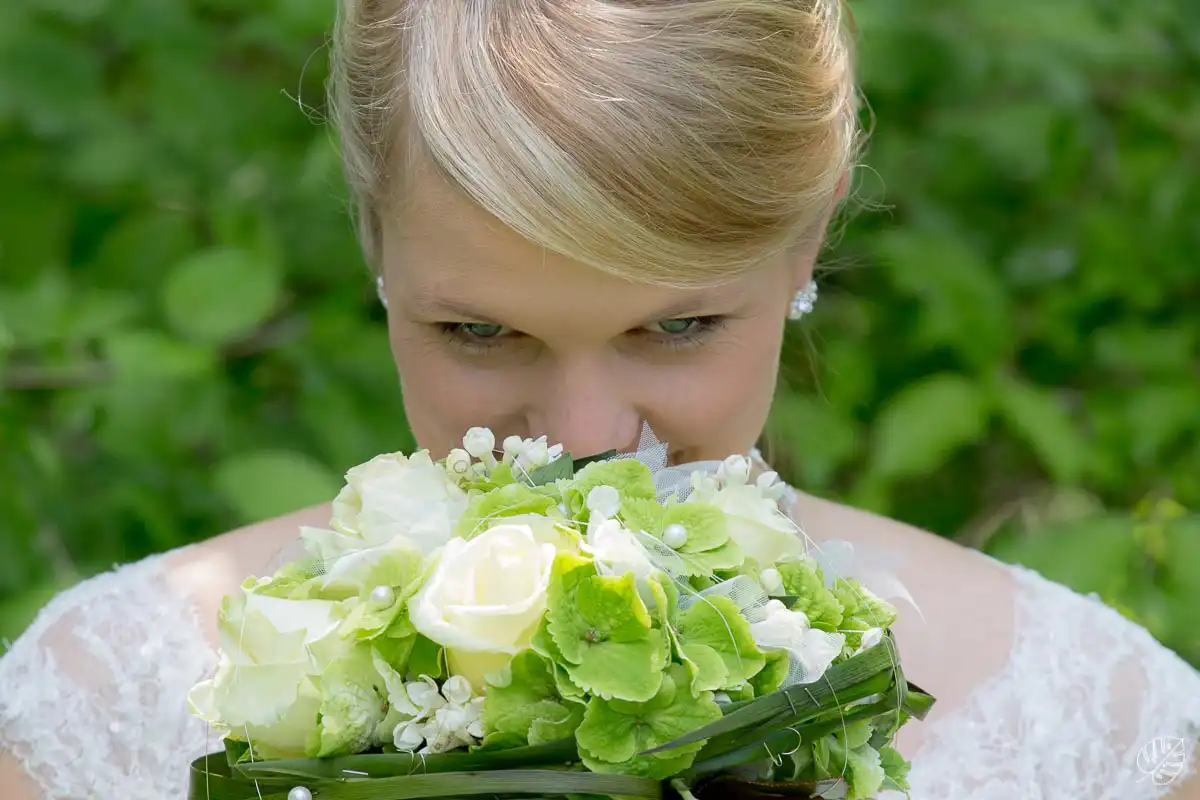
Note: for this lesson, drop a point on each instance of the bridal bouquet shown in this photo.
(531, 625)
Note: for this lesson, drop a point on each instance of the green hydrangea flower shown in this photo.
(802, 579)
(524, 702)
(708, 548)
(614, 732)
(715, 644)
(512, 500)
(631, 478)
(602, 633)
(895, 769)
(863, 611)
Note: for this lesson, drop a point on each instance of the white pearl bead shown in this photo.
(383, 596)
(675, 536)
(299, 793)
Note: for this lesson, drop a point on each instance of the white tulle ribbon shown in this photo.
(873, 567)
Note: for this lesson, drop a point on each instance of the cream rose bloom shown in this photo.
(485, 598)
(264, 687)
(755, 523)
(391, 495)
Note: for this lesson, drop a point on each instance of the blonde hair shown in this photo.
(678, 142)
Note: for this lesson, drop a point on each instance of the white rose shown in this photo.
(391, 495)
(485, 598)
(264, 686)
(756, 524)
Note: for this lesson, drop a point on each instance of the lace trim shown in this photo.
(1085, 692)
(93, 695)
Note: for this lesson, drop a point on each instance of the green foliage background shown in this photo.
(1006, 349)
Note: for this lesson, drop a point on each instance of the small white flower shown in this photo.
(769, 484)
(512, 447)
(811, 650)
(445, 719)
(772, 582)
(535, 454)
(735, 470)
(554, 451)
(604, 501)
(458, 462)
(480, 442)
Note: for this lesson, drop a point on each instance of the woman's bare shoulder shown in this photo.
(208, 571)
(966, 601)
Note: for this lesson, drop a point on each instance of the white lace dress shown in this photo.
(92, 701)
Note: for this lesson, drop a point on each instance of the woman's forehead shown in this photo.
(444, 257)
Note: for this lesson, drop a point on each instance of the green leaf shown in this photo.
(141, 355)
(560, 468)
(221, 295)
(925, 423)
(1041, 421)
(614, 735)
(265, 484)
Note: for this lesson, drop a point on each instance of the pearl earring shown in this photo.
(804, 301)
(379, 290)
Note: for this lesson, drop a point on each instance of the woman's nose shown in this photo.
(589, 411)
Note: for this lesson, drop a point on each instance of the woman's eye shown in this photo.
(677, 327)
(481, 330)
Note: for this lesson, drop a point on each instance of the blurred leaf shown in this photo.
(963, 304)
(219, 296)
(265, 484)
(927, 421)
(150, 355)
(1039, 419)
(819, 437)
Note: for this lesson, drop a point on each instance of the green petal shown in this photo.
(612, 608)
(802, 580)
(613, 733)
(726, 557)
(865, 773)
(771, 676)
(716, 625)
(552, 727)
(606, 734)
(895, 768)
(507, 501)
(631, 478)
(524, 697)
(566, 624)
(643, 514)
(707, 668)
(705, 524)
(622, 670)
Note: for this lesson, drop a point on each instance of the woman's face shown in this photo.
(489, 329)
